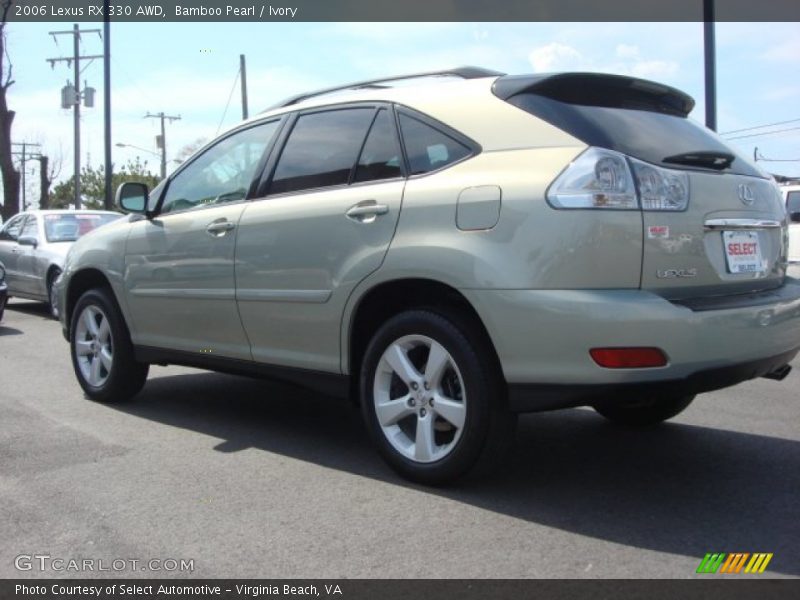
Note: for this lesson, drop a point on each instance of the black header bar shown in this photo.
(157, 11)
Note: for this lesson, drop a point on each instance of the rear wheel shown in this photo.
(432, 399)
(648, 411)
(102, 353)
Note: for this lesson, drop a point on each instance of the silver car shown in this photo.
(450, 252)
(33, 246)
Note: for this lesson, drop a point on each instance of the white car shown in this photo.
(791, 196)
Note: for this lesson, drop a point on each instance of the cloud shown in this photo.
(627, 51)
(782, 93)
(785, 52)
(554, 56)
(629, 61)
(653, 69)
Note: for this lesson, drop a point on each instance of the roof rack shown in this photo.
(463, 72)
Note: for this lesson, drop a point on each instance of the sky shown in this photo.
(191, 70)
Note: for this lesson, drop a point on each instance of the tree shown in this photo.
(47, 173)
(93, 184)
(10, 175)
(189, 149)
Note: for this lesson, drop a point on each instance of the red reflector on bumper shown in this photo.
(628, 358)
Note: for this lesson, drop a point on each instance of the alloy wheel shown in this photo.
(419, 397)
(94, 348)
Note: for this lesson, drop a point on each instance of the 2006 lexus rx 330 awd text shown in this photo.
(451, 252)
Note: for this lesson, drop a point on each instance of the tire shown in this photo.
(52, 297)
(649, 411)
(467, 427)
(101, 349)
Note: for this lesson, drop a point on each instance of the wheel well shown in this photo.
(81, 282)
(388, 299)
(51, 271)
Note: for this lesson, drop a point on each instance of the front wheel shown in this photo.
(52, 296)
(433, 399)
(644, 412)
(102, 352)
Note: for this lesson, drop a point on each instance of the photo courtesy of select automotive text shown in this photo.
(372, 299)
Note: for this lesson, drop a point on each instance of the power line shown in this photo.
(741, 137)
(760, 126)
(224, 114)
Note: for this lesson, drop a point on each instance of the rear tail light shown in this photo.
(601, 178)
(661, 189)
(598, 178)
(629, 358)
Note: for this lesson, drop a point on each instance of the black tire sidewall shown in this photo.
(478, 382)
(127, 375)
(51, 280)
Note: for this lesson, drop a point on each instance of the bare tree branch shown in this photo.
(6, 7)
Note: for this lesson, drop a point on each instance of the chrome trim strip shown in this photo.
(734, 224)
(307, 296)
(194, 294)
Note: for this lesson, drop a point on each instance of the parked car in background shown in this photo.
(791, 196)
(451, 251)
(33, 246)
(3, 290)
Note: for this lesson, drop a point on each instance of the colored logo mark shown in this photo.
(734, 562)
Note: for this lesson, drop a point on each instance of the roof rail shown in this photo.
(463, 72)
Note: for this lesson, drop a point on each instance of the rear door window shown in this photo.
(380, 158)
(322, 149)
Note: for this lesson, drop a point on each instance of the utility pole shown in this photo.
(161, 141)
(243, 74)
(24, 157)
(710, 64)
(76, 95)
(108, 197)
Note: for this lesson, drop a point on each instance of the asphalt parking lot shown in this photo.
(254, 479)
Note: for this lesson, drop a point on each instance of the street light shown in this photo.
(163, 168)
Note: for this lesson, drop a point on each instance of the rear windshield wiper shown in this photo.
(710, 160)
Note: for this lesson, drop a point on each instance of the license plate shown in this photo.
(742, 252)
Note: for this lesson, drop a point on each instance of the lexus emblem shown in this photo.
(746, 194)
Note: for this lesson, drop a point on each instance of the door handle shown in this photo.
(366, 212)
(220, 228)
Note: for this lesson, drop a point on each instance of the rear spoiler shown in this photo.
(598, 89)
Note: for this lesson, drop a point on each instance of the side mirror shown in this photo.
(27, 240)
(132, 197)
(794, 217)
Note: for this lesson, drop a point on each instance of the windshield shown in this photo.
(69, 226)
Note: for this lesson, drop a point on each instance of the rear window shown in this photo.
(643, 134)
(69, 227)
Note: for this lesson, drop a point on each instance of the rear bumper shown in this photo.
(524, 397)
(543, 337)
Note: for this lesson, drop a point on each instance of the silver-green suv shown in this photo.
(451, 251)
